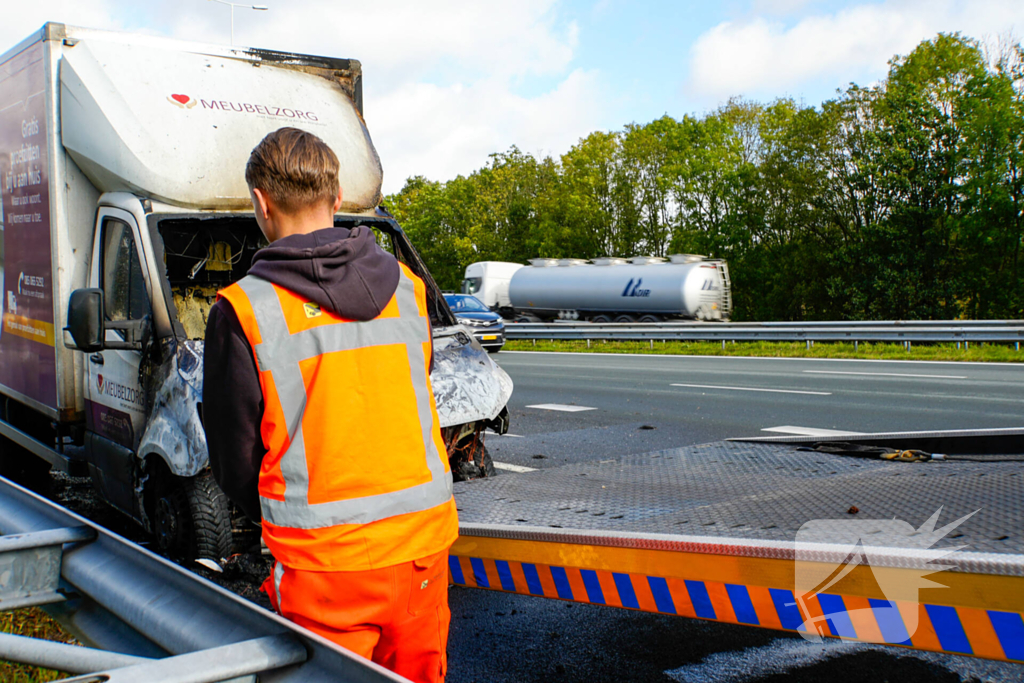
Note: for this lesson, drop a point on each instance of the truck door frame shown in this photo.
(113, 433)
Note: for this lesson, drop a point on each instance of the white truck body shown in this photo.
(122, 170)
(488, 281)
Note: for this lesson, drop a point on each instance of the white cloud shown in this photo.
(441, 78)
(21, 19)
(766, 57)
(398, 39)
(781, 6)
(441, 132)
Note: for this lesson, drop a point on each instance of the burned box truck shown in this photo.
(125, 210)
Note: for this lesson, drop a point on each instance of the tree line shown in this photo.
(900, 200)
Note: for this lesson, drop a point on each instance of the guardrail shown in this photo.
(142, 617)
(896, 331)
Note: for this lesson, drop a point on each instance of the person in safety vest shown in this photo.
(321, 421)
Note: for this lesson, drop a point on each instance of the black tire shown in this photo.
(493, 349)
(192, 519)
(211, 517)
(649, 319)
(600, 319)
(625, 319)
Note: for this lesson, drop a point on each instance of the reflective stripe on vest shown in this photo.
(280, 353)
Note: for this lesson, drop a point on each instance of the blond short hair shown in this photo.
(295, 168)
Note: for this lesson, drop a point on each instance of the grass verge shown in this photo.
(34, 623)
(987, 352)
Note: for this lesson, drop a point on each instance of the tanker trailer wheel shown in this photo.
(625, 319)
(600, 319)
(191, 518)
(649, 319)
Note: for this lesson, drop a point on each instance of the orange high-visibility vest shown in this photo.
(356, 473)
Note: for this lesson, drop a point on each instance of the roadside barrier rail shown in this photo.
(894, 331)
(142, 617)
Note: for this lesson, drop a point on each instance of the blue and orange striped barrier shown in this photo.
(978, 614)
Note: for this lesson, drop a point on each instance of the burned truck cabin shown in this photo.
(202, 255)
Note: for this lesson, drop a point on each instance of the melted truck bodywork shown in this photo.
(174, 430)
(468, 385)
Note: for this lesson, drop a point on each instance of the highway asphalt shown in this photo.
(596, 407)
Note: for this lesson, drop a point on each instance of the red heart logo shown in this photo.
(183, 99)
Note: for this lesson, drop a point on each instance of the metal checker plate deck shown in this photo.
(755, 491)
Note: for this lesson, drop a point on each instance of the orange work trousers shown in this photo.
(397, 616)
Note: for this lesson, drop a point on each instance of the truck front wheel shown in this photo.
(192, 519)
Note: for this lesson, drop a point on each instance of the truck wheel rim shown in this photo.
(167, 526)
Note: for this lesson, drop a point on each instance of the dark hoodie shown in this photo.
(344, 271)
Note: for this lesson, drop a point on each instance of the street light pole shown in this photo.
(233, 5)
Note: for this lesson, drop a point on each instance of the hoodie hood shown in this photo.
(342, 270)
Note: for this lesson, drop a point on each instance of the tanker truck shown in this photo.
(124, 210)
(639, 289)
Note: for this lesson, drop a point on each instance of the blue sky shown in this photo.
(448, 82)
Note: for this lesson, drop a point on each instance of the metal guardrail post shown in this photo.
(30, 566)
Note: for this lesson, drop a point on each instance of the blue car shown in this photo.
(487, 326)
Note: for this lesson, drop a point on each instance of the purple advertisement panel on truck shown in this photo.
(28, 363)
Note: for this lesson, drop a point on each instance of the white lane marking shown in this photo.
(881, 374)
(780, 358)
(513, 468)
(773, 391)
(809, 431)
(560, 406)
(514, 436)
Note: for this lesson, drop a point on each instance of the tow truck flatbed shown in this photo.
(711, 531)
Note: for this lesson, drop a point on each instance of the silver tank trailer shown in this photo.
(570, 288)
